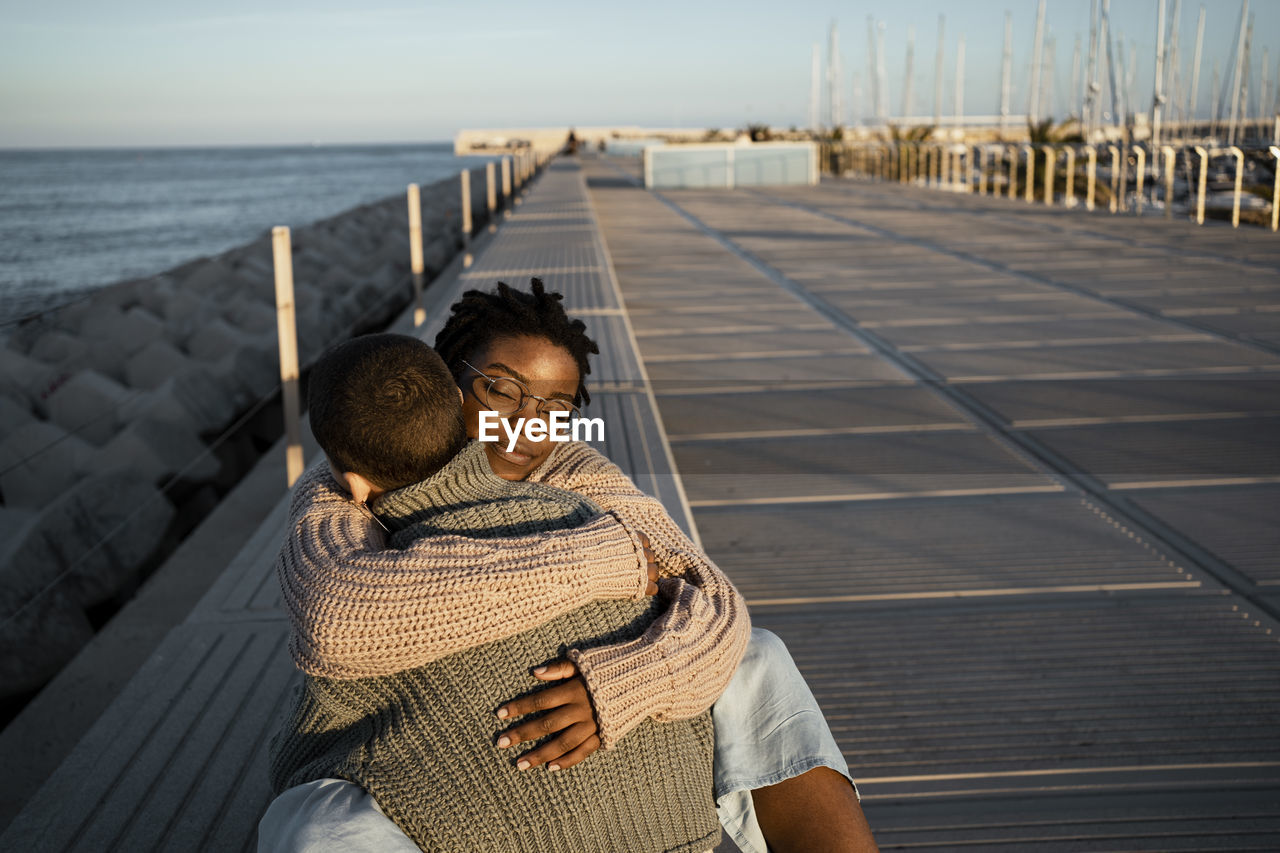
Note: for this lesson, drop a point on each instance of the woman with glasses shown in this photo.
(780, 777)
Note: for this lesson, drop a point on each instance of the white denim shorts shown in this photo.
(768, 728)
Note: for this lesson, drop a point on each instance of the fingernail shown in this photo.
(553, 766)
(504, 741)
(503, 713)
(539, 670)
(522, 765)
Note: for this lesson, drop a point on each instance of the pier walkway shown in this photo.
(1005, 478)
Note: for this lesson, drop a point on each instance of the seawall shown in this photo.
(126, 415)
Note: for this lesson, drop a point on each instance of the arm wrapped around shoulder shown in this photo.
(357, 609)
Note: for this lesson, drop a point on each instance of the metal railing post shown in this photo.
(1235, 199)
(466, 218)
(491, 196)
(415, 252)
(506, 187)
(1030, 194)
(982, 171)
(1142, 172)
(287, 333)
(1204, 174)
(1170, 158)
(1115, 177)
(1050, 158)
(1091, 176)
(1275, 192)
(1012, 189)
(1071, 177)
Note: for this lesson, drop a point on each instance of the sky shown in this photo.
(171, 72)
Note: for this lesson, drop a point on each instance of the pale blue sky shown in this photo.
(167, 72)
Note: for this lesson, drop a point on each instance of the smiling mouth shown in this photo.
(515, 457)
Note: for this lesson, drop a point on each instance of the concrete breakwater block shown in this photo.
(155, 364)
(90, 405)
(217, 281)
(157, 450)
(88, 543)
(37, 639)
(253, 317)
(80, 550)
(40, 461)
(215, 338)
(194, 400)
(26, 379)
(129, 330)
(14, 414)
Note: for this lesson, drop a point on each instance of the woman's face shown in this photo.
(546, 369)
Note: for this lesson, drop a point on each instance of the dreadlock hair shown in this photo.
(480, 318)
(385, 407)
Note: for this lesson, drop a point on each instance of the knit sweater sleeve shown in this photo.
(683, 662)
(357, 610)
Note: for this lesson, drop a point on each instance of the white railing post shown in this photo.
(1030, 194)
(1071, 177)
(982, 171)
(1012, 189)
(1142, 172)
(1050, 156)
(1091, 176)
(1275, 192)
(287, 332)
(1170, 158)
(1115, 177)
(466, 218)
(1235, 199)
(491, 196)
(415, 252)
(506, 187)
(1204, 176)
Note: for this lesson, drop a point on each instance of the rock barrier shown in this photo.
(108, 407)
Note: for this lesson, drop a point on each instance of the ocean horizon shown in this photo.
(77, 219)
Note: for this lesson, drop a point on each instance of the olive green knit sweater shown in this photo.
(422, 741)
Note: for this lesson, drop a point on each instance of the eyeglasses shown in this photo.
(506, 396)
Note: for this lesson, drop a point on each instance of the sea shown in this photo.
(73, 220)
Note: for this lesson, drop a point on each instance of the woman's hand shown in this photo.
(651, 560)
(569, 718)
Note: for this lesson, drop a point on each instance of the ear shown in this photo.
(362, 491)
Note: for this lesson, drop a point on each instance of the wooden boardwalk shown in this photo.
(1007, 481)
(1005, 478)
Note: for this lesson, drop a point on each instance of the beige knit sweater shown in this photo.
(358, 610)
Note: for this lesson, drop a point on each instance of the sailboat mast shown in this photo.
(1005, 72)
(1033, 104)
(1238, 75)
(814, 85)
(937, 73)
(1193, 105)
(1157, 97)
(909, 74)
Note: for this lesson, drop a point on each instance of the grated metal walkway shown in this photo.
(1007, 481)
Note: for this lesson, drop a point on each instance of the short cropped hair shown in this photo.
(386, 407)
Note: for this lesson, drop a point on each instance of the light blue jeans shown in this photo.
(768, 728)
